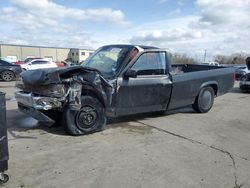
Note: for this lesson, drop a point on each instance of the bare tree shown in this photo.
(237, 58)
(183, 59)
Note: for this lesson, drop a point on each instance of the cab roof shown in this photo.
(132, 45)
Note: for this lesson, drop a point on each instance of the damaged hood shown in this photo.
(76, 78)
(55, 76)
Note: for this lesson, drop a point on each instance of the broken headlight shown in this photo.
(51, 90)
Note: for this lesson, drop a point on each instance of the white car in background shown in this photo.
(38, 64)
(214, 63)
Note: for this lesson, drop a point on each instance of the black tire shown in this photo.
(7, 76)
(4, 180)
(90, 118)
(205, 100)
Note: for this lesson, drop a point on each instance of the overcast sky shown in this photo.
(184, 26)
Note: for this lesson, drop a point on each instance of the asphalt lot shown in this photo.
(180, 149)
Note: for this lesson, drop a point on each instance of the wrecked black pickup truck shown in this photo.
(119, 80)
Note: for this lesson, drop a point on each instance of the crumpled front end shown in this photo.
(43, 90)
(38, 102)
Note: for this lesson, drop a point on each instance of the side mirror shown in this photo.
(130, 73)
(29, 64)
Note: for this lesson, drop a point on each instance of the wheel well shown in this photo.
(215, 87)
(94, 94)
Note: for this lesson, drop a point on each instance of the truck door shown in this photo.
(151, 88)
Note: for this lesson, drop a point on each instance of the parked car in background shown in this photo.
(213, 63)
(68, 63)
(60, 63)
(240, 72)
(27, 60)
(8, 70)
(18, 62)
(245, 79)
(38, 64)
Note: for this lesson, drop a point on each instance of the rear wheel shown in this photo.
(205, 100)
(7, 75)
(90, 118)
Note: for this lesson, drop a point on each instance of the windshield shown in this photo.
(27, 60)
(6, 60)
(30, 59)
(108, 59)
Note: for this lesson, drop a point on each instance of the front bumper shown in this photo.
(38, 115)
(33, 106)
(37, 102)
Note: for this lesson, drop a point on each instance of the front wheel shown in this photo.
(205, 100)
(4, 178)
(90, 118)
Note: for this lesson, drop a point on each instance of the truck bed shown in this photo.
(185, 68)
(189, 78)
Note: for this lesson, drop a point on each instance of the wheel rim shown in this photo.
(206, 100)
(7, 76)
(86, 118)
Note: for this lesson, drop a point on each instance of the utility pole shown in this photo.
(205, 55)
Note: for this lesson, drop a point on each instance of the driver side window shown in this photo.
(151, 63)
(35, 63)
